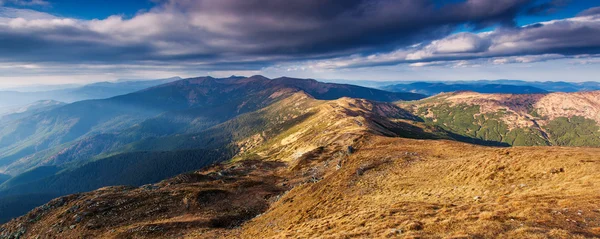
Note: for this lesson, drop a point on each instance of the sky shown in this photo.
(74, 41)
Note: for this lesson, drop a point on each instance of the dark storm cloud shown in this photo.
(230, 31)
(331, 26)
(249, 34)
(565, 38)
(547, 7)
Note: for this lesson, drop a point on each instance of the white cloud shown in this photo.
(552, 40)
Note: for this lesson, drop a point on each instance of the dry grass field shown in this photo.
(441, 189)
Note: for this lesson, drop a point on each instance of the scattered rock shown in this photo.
(557, 170)
(150, 187)
(415, 226)
(350, 150)
(78, 218)
(73, 209)
(394, 232)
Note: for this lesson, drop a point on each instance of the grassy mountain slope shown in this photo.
(149, 167)
(188, 105)
(239, 135)
(86, 129)
(222, 138)
(133, 169)
(398, 188)
(384, 187)
(563, 119)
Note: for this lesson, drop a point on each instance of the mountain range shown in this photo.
(252, 156)
(492, 87)
(482, 86)
(49, 145)
(18, 97)
(437, 88)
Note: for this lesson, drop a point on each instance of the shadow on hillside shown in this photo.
(411, 131)
(470, 140)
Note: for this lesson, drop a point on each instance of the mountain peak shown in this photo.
(259, 77)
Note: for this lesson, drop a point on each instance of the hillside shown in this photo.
(155, 154)
(561, 119)
(385, 187)
(89, 128)
(29, 110)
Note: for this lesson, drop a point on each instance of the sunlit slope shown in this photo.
(563, 119)
(441, 189)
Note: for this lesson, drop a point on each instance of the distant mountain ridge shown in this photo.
(29, 110)
(437, 88)
(69, 94)
(492, 86)
(549, 86)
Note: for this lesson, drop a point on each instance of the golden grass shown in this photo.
(440, 189)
